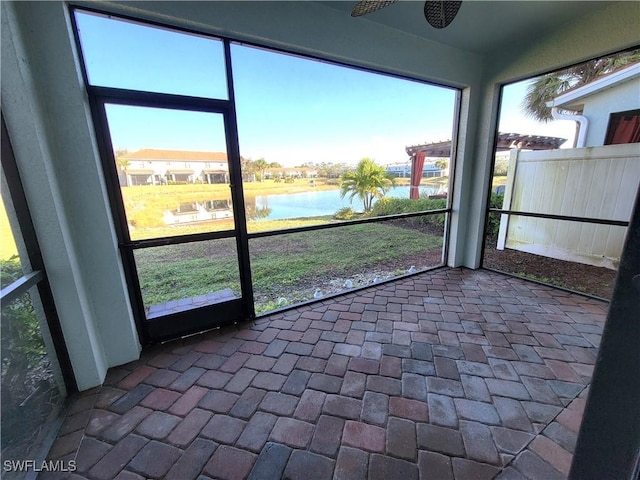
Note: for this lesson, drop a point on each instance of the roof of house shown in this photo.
(150, 154)
(575, 97)
(506, 141)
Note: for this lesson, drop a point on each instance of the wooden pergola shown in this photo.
(505, 141)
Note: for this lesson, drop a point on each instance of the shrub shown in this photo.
(345, 213)
(501, 167)
(493, 223)
(393, 206)
(22, 346)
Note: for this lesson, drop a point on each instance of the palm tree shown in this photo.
(367, 181)
(123, 164)
(442, 163)
(261, 165)
(547, 87)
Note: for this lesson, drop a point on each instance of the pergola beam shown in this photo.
(506, 141)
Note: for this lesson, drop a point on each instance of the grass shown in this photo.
(430, 181)
(7, 243)
(558, 282)
(145, 204)
(284, 265)
(498, 180)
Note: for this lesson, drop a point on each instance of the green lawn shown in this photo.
(284, 265)
(146, 204)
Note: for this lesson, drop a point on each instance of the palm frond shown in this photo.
(545, 88)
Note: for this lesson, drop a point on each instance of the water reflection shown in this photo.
(203, 211)
(255, 211)
(210, 210)
(319, 203)
(275, 207)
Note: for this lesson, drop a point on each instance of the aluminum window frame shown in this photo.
(100, 95)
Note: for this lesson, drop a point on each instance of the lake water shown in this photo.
(317, 203)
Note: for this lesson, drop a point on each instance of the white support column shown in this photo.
(508, 195)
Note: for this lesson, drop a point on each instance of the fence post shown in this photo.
(508, 194)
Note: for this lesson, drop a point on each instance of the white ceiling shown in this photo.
(480, 26)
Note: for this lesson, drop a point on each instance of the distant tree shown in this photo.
(122, 163)
(501, 166)
(547, 87)
(275, 165)
(261, 165)
(367, 181)
(442, 163)
(248, 169)
(306, 165)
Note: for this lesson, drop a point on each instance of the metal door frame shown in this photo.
(201, 318)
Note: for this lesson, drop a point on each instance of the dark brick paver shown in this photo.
(271, 462)
(450, 374)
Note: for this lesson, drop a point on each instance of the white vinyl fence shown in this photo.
(597, 182)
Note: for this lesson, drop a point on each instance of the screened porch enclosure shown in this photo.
(344, 305)
(220, 228)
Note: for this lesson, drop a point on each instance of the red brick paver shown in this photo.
(449, 374)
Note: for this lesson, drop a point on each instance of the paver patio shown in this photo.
(448, 374)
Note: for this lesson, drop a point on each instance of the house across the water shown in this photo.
(161, 167)
(403, 170)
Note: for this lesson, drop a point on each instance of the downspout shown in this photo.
(581, 119)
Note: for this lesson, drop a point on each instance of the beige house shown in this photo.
(160, 167)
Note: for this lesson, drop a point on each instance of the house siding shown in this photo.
(599, 106)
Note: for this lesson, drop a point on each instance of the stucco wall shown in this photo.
(597, 108)
(48, 121)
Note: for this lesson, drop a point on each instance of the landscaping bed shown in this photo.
(596, 281)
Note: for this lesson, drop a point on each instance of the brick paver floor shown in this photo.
(450, 374)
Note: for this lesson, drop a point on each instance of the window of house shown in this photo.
(624, 127)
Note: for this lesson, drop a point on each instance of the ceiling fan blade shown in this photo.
(368, 6)
(441, 13)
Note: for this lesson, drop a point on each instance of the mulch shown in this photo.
(596, 281)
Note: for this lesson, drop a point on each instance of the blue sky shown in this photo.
(513, 120)
(290, 110)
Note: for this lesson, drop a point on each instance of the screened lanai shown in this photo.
(119, 269)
